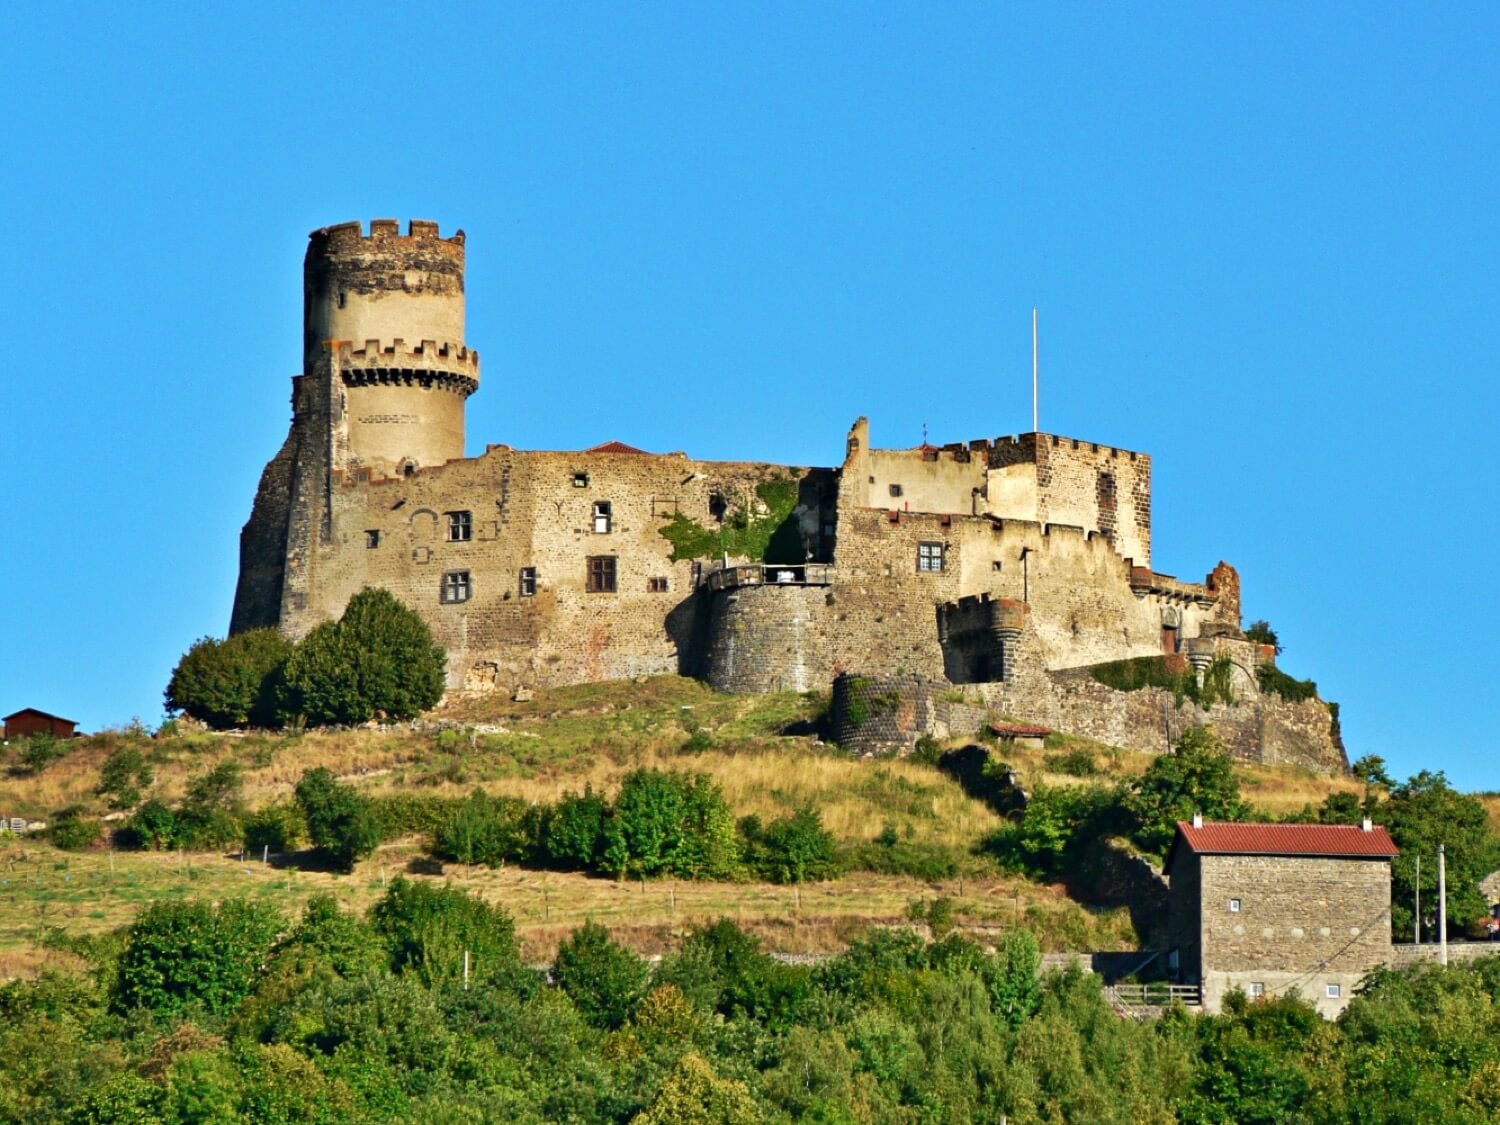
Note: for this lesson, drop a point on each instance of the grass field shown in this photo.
(759, 749)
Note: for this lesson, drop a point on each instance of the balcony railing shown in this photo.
(770, 574)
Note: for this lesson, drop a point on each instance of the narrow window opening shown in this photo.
(718, 507)
(343, 298)
(528, 581)
(895, 490)
(456, 586)
(1234, 906)
(372, 537)
(603, 517)
(601, 574)
(656, 585)
(460, 527)
(580, 480)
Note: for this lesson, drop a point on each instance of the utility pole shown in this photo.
(1442, 905)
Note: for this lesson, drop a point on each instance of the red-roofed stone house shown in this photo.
(1272, 908)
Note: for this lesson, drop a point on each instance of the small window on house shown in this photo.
(456, 586)
(930, 557)
(656, 585)
(460, 527)
(1334, 992)
(1234, 906)
(528, 581)
(601, 574)
(372, 537)
(580, 480)
(895, 490)
(1257, 989)
(603, 517)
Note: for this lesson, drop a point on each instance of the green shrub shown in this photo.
(182, 953)
(72, 831)
(793, 849)
(670, 824)
(428, 929)
(277, 828)
(38, 751)
(378, 660)
(1261, 633)
(122, 777)
(486, 830)
(153, 825)
(917, 859)
(1056, 822)
(604, 980)
(761, 530)
(1273, 681)
(699, 742)
(230, 683)
(571, 833)
(405, 814)
(339, 821)
(1076, 762)
(210, 813)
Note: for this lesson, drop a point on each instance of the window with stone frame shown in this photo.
(372, 537)
(460, 527)
(602, 574)
(528, 581)
(603, 517)
(1334, 992)
(931, 557)
(456, 586)
(656, 585)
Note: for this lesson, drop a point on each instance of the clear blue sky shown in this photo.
(1265, 244)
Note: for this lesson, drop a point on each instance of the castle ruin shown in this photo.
(998, 570)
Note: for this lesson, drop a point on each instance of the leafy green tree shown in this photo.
(1262, 634)
(153, 825)
(379, 660)
(722, 968)
(229, 683)
(38, 751)
(182, 953)
(72, 830)
(666, 823)
(605, 980)
(1056, 821)
(339, 820)
(571, 832)
(122, 777)
(1421, 813)
(485, 830)
(694, 1094)
(277, 828)
(1371, 770)
(1196, 777)
(792, 849)
(211, 809)
(429, 928)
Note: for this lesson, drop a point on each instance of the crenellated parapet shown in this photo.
(428, 364)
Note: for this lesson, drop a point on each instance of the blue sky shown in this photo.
(1264, 242)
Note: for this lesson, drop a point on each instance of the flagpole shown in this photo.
(1035, 423)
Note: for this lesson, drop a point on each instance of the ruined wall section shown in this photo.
(257, 594)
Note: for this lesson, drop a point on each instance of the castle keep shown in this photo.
(999, 569)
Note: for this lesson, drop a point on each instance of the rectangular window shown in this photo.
(601, 574)
(895, 491)
(580, 480)
(1334, 992)
(460, 527)
(456, 586)
(930, 557)
(1257, 989)
(656, 585)
(1234, 906)
(372, 538)
(603, 517)
(528, 581)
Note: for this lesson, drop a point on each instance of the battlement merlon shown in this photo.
(351, 234)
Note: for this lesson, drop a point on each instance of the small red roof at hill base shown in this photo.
(615, 447)
(1286, 839)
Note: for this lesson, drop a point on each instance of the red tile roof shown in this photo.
(1285, 839)
(615, 447)
(1020, 730)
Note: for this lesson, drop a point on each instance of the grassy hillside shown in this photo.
(760, 750)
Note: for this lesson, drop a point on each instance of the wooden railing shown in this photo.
(1152, 995)
(770, 574)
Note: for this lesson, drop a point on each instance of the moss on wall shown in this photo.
(763, 532)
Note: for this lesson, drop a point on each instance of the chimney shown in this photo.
(1366, 826)
(1198, 820)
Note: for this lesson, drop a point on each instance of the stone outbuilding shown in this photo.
(29, 721)
(1273, 908)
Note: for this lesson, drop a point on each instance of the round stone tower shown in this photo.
(383, 316)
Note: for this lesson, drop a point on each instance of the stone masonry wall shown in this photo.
(769, 638)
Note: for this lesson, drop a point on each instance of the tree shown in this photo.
(1262, 634)
(1421, 813)
(378, 660)
(229, 683)
(122, 777)
(694, 1095)
(665, 823)
(792, 849)
(181, 953)
(571, 832)
(1196, 777)
(1371, 770)
(339, 820)
(428, 929)
(604, 980)
(485, 830)
(210, 812)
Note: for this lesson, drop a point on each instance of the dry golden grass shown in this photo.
(94, 892)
